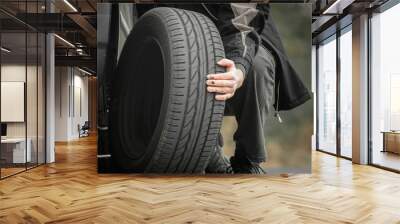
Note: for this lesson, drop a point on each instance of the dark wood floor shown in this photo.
(71, 191)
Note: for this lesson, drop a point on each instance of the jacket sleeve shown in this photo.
(239, 26)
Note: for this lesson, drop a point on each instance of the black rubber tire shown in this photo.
(162, 118)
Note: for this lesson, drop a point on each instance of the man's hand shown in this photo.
(225, 84)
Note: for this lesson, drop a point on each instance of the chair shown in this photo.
(84, 130)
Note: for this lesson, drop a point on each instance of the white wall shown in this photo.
(14, 73)
(71, 102)
(80, 110)
(61, 103)
(33, 126)
(13, 101)
(17, 73)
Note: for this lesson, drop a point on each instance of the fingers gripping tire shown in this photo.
(162, 118)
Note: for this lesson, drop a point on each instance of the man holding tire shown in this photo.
(258, 79)
(258, 76)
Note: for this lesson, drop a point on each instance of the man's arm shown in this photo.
(237, 24)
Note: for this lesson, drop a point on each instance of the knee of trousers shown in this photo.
(263, 69)
(261, 80)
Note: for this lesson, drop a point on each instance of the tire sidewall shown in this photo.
(150, 26)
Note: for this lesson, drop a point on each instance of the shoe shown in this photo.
(244, 166)
(219, 163)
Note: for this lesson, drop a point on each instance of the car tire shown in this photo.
(163, 120)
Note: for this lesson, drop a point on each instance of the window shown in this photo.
(22, 78)
(346, 93)
(385, 89)
(15, 147)
(327, 96)
(334, 137)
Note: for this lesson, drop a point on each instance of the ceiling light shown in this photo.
(338, 7)
(79, 51)
(65, 41)
(5, 50)
(326, 11)
(70, 5)
(84, 71)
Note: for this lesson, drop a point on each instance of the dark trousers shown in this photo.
(251, 104)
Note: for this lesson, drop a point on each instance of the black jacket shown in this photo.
(290, 90)
(243, 28)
